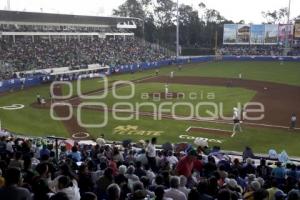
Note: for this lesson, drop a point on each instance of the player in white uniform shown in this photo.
(171, 74)
(236, 121)
(166, 89)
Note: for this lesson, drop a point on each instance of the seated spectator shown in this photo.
(113, 192)
(12, 189)
(60, 196)
(88, 196)
(17, 162)
(159, 193)
(66, 186)
(173, 192)
(182, 186)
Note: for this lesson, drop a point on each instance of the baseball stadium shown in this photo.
(160, 86)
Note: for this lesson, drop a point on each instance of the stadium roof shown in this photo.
(50, 18)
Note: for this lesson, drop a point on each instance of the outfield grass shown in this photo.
(287, 73)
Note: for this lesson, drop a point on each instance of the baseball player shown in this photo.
(236, 121)
(171, 74)
(166, 89)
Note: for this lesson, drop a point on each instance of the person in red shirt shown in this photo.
(186, 164)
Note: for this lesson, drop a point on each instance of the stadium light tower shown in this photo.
(177, 32)
(289, 12)
(8, 5)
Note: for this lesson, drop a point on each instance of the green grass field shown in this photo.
(37, 122)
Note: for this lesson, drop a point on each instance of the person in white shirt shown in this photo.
(173, 160)
(173, 192)
(182, 186)
(66, 186)
(151, 154)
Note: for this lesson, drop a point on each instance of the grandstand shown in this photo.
(43, 41)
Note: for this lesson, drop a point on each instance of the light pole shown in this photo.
(287, 45)
(8, 5)
(177, 32)
(289, 12)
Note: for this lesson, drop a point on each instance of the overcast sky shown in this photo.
(249, 10)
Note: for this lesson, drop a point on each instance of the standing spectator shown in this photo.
(151, 154)
(278, 172)
(263, 170)
(186, 164)
(44, 151)
(85, 182)
(248, 153)
(75, 154)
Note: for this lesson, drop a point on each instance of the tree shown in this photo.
(164, 11)
(131, 8)
(276, 16)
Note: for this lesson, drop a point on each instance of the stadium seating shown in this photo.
(116, 171)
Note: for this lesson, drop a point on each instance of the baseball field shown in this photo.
(196, 102)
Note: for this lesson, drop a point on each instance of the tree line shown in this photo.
(199, 27)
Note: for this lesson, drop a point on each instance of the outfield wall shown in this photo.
(19, 83)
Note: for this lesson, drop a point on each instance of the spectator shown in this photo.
(113, 192)
(66, 186)
(12, 190)
(186, 164)
(173, 192)
(151, 154)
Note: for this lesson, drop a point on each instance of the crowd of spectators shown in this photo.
(252, 50)
(294, 52)
(31, 170)
(26, 54)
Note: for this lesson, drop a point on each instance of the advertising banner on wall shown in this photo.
(229, 35)
(257, 34)
(243, 34)
(271, 34)
(285, 33)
